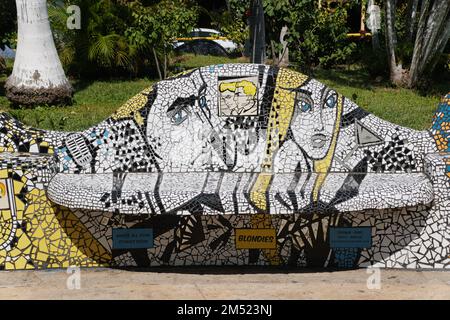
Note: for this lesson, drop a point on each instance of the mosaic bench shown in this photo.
(236, 164)
(88, 192)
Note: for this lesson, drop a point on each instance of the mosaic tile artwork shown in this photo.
(236, 164)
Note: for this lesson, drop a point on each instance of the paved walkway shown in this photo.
(224, 283)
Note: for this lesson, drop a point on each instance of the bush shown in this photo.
(317, 36)
(118, 37)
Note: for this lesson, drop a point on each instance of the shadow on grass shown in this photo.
(79, 85)
(356, 78)
(437, 88)
(4, 102)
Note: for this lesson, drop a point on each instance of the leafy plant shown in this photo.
(316, 36)
(231, 24)
(100, 46)
(118, 36)
(155, 27)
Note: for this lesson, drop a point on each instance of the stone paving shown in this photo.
(224, 283)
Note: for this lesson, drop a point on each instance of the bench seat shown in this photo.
(228, 193)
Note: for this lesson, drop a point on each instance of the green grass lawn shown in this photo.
(96, 100)
(93, 102)
(405, 107)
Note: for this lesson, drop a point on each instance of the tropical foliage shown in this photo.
(154, 27)
(135, 37)
(120, 37)
(232, 24)
(100, 45)
(316, 36)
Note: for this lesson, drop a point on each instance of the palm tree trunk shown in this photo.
(412, 15)
(38, 76)
(395, 69)
(391, 39)
(433, 32)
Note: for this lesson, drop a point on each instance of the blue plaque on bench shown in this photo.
(132, 238)
(358, 237)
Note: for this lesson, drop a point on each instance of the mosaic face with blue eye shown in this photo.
(202, 102)
(180, 116)
(331, 99)
(179, 123)
(314, 118)
(305, 106)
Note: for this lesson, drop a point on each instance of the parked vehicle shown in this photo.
(7, 53)
(202, 47)
(207, 34)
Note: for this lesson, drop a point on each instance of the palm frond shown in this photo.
(102, 48)
(109, 50)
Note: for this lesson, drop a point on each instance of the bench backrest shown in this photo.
(233, 117)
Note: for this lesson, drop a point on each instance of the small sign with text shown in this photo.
(132, 238)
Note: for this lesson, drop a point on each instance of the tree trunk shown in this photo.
(257, 32)
(157, 64)
(441, 43)
(412, 15)
(374, 23)
(165, 63)
(391, 39)
(375, 40)
(396, 71)
(284, 55)
(275, 60)
(38, 76)
(433, 32)
(2, 65)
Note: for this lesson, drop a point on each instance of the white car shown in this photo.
(208, 34)
(8, 53)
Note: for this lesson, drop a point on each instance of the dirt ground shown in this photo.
(224, 283)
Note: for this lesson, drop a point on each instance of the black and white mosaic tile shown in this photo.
(211, 160)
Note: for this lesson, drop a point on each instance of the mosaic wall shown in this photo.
(235, 164)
